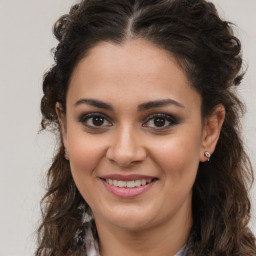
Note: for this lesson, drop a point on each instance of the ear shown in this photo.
(211, 131)
(63, 126)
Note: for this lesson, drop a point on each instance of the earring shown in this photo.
(207, 155)
(66, 154)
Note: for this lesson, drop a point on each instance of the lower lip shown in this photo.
(128, 192)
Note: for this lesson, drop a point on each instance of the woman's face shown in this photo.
(134, 133)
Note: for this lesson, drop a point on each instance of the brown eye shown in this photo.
(159, 122)
(98, 120)
(95, 121)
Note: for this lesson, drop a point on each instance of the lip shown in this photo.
(127, 192)
(129, 177)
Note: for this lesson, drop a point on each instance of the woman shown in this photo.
(150, 158)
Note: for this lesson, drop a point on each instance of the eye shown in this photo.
(160, 121)
(95, 121)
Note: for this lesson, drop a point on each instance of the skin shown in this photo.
(125, 76)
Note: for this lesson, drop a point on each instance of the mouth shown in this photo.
(129, 184)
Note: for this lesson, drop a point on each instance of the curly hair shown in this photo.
(207, 50)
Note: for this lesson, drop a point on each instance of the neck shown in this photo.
(162, 239)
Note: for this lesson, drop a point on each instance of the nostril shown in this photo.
(126, 147)
(126, 157)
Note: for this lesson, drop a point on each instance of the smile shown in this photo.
(129, 184)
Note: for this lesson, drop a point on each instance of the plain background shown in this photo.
(25, 42)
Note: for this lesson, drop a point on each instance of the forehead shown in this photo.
(136, 69)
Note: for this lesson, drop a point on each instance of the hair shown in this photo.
(207, 50)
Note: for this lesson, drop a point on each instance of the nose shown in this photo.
(126, 147)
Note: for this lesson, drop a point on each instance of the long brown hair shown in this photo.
(209, 53)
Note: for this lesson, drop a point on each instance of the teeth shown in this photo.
(137, 183)
(110, 181)
(128, 184)
(121, 184)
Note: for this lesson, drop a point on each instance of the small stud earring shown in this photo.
(207, 155)
(66, 154)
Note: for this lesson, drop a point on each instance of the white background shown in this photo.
(25, 42)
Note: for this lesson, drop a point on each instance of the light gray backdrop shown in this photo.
(25, 43)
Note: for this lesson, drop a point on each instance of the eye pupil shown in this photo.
(98, 120)
(159, 122)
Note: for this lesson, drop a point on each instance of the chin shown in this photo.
(132, 224)
(129, 218)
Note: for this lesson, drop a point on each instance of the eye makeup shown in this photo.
(160, 121)
(95, 120)
(157, 121)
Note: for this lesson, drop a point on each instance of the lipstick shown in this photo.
(128, 186)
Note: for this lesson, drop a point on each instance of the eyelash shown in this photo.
(165, 117)
(84, 119)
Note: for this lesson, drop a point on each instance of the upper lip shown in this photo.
(127, 177)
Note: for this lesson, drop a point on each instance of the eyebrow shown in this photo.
(94, 103)
(141, 107)
(159, 103)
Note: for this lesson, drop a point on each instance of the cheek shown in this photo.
(85, 154)
(178, 157)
